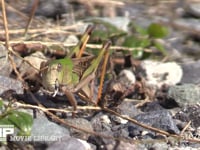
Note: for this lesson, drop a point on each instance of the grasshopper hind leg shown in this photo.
(103, 72)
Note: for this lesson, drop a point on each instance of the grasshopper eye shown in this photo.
(59, 67)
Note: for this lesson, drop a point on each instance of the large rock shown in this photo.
(186, 94)
(5, 68)
(8, 84)
(161, 119)
(191, 72)
(49, 131)
(193, 9)
(80, 123)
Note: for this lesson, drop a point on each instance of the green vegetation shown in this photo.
(22, 121)
(138, 38)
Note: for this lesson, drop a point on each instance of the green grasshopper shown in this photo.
(73, 73)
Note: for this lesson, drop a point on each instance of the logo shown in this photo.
(6, 130)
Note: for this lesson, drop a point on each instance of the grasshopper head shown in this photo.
(58, 73)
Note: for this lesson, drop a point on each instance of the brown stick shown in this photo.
(5, 23)
(31, 16)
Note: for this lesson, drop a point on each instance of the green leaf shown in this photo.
(160, 47)
(1, 104)
(26, 124)
(21, 120)
(137, 53)
(4, 121)
(156, 30)
(100, 35)
(139, 29)
(134, 42)
(145, 42)
(130, 41)
(16, 120)
(146, 55)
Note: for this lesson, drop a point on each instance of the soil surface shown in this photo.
(150, 93)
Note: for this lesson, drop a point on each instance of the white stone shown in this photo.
(122, 121)
(35, 60)
(86, 144)
(128, 75)
(105, 119)
(159, 73)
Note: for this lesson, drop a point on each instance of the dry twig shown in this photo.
(45, 110)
